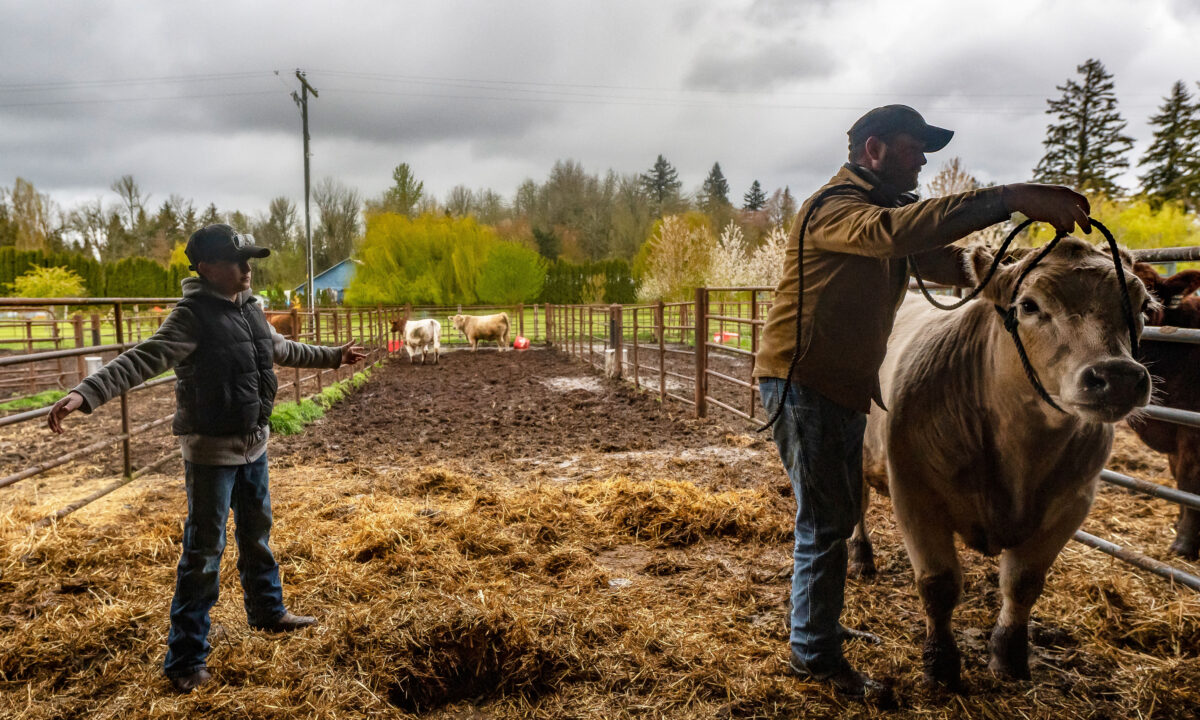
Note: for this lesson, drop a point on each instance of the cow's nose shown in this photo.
(1116, 381)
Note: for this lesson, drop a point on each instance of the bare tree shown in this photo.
(338, 210)
(33, 214)
(131, 197)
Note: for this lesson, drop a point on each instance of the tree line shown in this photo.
(576, 219)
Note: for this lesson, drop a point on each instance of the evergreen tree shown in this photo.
(1086, 147)
(714, 194)
(1172, 161)
(402, 197)
(756, 198)
(661, 184)
(210, 215)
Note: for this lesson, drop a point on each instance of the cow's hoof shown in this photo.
(943, 666)
(1009, 648)
(862, 560)
(1187, 548)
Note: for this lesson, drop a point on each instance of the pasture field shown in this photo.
(508, 535)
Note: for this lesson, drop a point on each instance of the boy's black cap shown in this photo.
(899, 118)
(217, 242)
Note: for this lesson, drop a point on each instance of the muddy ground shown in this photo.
(509, 535)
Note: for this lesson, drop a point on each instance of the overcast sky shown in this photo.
(195, 98)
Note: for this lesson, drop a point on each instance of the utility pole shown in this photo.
(302, 101)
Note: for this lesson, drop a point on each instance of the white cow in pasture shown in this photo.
(423, 335)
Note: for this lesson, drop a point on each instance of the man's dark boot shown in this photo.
(187, 683)
(847, 682)
(287, 623)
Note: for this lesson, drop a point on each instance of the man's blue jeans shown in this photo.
(211, 491)
(820, 443)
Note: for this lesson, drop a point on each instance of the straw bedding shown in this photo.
(616, 562)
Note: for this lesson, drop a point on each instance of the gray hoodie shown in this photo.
(174, 341)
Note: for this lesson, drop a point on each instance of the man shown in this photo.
(859, 245)
(223, 351)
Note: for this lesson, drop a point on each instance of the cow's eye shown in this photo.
(1029, 307)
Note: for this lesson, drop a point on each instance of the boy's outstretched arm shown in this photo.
(163, 350)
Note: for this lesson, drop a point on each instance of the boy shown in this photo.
(223, 351)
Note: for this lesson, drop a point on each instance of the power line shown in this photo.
(163, 79)
(101, 101)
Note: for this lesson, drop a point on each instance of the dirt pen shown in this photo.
(513, 535)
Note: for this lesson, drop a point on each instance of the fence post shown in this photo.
(520, 318)
(660, 317)
(317, 341)
(127, 460)
(80, 369)
(753, 345)
(62, 377)
(296, 338)
(95, 328)
(616, 333)
(701, 335)
(637, 372)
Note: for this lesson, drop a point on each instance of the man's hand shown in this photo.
(64, 407)
(1060, 206)
(352, 353)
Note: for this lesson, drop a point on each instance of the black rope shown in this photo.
(1009, 317)
(1000, 254)
(844, 189)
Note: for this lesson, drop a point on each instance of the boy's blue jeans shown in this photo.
(821, 445)
(211, 491)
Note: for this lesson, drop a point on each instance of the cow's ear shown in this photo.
(979, 259)
(1182, 284)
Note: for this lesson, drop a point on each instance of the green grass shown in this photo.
(34, 402)
(290, 418)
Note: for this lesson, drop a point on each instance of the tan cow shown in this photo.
(483, 327)
(971, 448)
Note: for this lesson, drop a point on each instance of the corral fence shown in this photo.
(52, 344)
(57, 349)
(702, 352)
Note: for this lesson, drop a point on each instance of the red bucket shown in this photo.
(395, 345)
(521, 342)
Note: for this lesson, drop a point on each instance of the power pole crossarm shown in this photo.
(302, 101)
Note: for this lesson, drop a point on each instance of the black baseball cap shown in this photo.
(891, 119)
(217, 242)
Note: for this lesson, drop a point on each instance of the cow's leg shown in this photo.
(1022, 575)
(930, 544)
(1185, 466)
(862, 555)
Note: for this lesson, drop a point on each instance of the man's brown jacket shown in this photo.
(856, 265)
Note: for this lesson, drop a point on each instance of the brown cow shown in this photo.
(1176, 368)
(483, 327)
(282, 322)
(971, 448)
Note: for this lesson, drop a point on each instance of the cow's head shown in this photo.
(1071, 320)
(398, 325)
(1169, 291)
(458, 321)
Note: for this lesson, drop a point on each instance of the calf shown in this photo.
(971, 448)
(1176, 368)
(282, 322)
(483, 327)
(425, 335)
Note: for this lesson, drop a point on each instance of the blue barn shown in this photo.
(335, 280)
